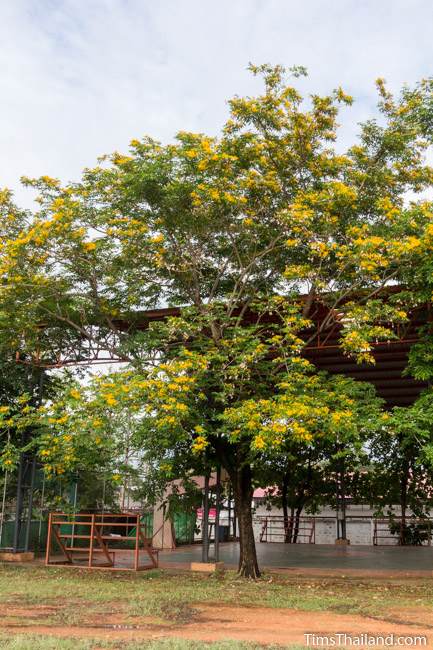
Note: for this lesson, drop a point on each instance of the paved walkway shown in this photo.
(370, 559)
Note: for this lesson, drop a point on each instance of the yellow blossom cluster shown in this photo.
(199, 444)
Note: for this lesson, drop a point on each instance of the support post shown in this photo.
(343, 501)
(92, 536)
(137, 543)
(217, 513)
(341, 539)
(30, 504)
(75, 512)
(19, 506)
(47, 554)
(41, 513)
(3, 508)
(205, 520)
(229, 506)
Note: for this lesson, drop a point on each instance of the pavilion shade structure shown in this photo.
(322, 349)
(391, 357)
(386, 375)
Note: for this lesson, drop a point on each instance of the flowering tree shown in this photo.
(236, 228)
(306, 476)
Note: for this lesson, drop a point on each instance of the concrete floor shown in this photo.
(299, 558)
(409, 559)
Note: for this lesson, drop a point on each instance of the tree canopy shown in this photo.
(247, 233)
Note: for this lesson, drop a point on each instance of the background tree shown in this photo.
(401, 463)
(306, 477)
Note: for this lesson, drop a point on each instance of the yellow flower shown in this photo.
(214, 194)
(196, 200)
(121, 160)
(338, 416)
(299, 431)
(51, 182)
(259, 442)
(75, 393)
(199, 444)
(89, 246)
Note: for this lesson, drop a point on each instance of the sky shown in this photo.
(81, 78)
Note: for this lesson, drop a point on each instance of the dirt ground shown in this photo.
(213, 622)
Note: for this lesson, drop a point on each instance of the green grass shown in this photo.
(169, 598)
(39, 643)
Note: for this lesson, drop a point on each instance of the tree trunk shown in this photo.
(243, 493)
(285, 508)
(297, 518)
(291, 524)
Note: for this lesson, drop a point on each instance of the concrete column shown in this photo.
(162, 529)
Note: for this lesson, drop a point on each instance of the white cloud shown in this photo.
(82, 77)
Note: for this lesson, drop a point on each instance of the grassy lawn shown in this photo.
(38, 643)
(34, 596)
(172, 595)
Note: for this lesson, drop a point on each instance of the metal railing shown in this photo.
(410, 531)
(300, 531)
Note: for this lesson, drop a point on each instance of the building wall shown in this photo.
(359, 525)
